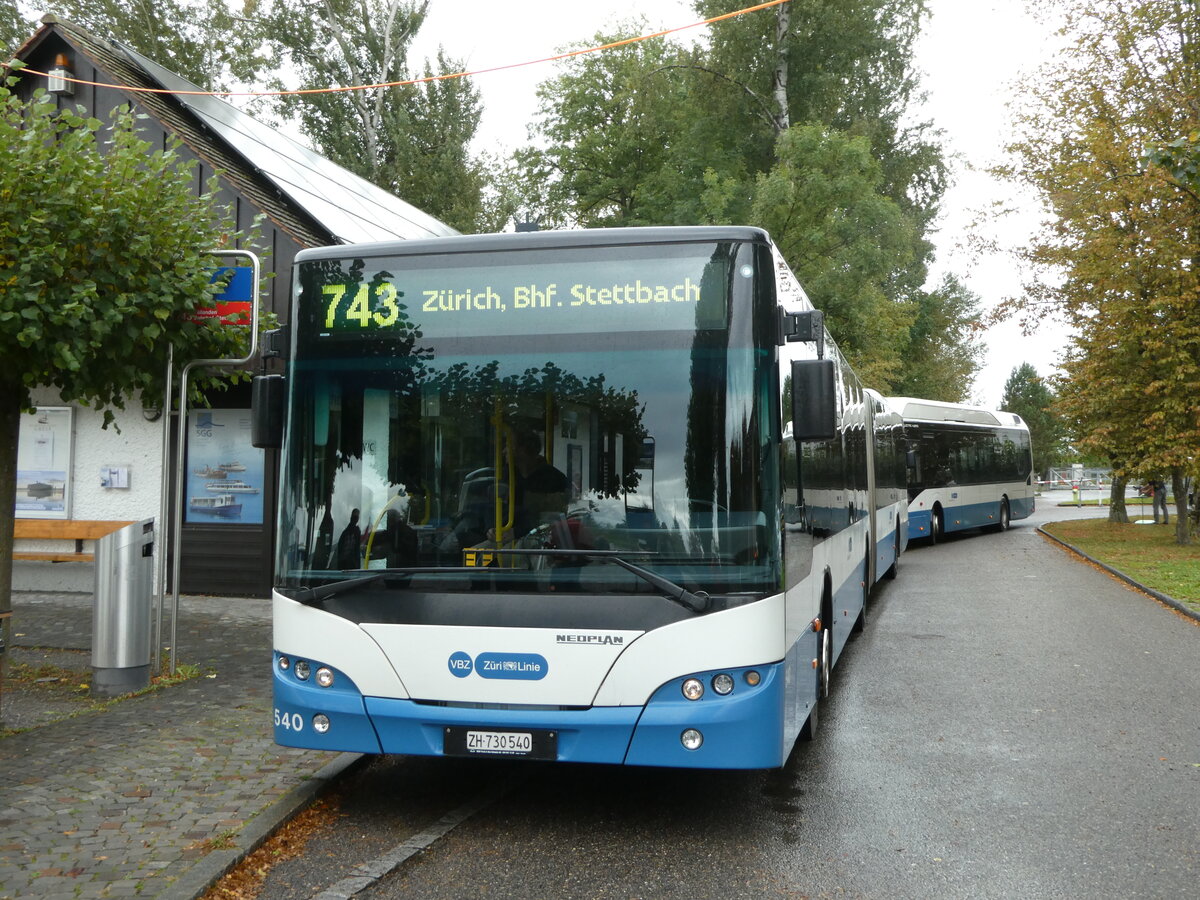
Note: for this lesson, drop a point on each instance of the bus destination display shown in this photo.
(679, 294)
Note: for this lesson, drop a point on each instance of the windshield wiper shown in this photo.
(697, 601)
(315, 595)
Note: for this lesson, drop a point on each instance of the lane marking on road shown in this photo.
(368, 873)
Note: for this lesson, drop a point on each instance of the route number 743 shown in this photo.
(382, 313)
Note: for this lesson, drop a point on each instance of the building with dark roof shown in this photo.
(303, 199)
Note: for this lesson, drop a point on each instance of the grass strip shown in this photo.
(1146, 553)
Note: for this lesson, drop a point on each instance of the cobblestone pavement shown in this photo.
(151, 796)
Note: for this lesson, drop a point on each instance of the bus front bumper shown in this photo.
(741, 730)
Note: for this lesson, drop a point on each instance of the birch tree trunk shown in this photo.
(779, 79)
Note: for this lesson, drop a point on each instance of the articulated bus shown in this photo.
(607, 496)
(968, 467)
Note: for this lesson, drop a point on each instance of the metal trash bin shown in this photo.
(121, 635)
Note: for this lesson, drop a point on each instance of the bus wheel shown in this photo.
(936, 530)
(861, 622)
(824, 663)
(894, 568)
(1003, 523)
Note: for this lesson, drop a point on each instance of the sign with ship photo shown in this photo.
(224, 472)
(44, 464)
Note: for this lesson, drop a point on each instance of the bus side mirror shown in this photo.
(814, 400)
(268, 394)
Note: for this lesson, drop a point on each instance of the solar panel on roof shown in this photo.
(353, 209)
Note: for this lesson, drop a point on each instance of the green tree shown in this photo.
(842, 237)
(409, 140)
(1029, 396)
(943, 350)
(1118, 259)
(1181, 159)
(650, 133)
(14, 26)
(102, 246)
(611, 124)
(1099, 401)
(846, 65)
(516, 193)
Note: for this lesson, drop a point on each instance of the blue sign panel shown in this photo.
(240, 288)
(517, 666)
(460, 664)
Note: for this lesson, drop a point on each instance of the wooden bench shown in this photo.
(77, 530)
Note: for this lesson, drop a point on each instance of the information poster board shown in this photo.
(44, 456)
(225, 473)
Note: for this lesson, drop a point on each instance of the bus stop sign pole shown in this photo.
(181, 431)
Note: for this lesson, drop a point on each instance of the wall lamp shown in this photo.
(57, 82)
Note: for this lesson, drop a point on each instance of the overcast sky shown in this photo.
(970, 52)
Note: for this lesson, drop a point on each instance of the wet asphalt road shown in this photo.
(1012, 723)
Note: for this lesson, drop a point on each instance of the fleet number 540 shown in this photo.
(289, 721)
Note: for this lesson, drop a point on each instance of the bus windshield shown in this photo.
(515, 421)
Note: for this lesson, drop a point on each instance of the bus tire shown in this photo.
(1005, 517)
(860, 623)
(936, 528)
(824, 666)
(894, 569)
(825, 662)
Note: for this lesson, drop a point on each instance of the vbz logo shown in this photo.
(460, 664)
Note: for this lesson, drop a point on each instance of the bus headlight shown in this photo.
(302, 670)
(320, 723)
(284, 664)
(693, 689)
(325, 676)
(691, 739)
(722, 684)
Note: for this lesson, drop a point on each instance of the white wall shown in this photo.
(138, 446)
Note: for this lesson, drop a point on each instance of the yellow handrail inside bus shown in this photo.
(503, 454)
(375, 528)
(511, 470)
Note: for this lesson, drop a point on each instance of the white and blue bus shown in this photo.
(968, 467)
(605, 496)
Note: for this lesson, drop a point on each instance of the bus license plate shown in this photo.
(495, 742)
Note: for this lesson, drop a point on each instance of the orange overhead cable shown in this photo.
(412, 81)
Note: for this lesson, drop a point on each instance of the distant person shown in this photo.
(1158, 498)
(349, 554)
(323, 557)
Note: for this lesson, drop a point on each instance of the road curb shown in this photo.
(1157, 595)
(196, 882)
